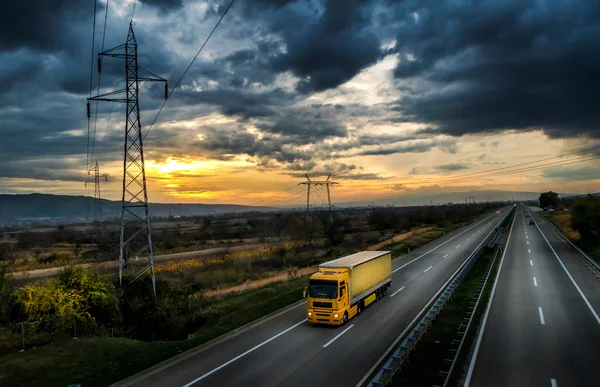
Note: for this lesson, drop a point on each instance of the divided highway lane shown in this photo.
(540, 328)
(287, 351)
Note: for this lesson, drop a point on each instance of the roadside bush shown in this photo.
(76, 296)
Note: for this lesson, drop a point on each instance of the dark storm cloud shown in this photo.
(330, 50)
(42, 25)
(323, 43)
(164, 5)
(238, 102)
(302, 128)
(451, 167)
(498, 65)
(226, 144)
(415, 147)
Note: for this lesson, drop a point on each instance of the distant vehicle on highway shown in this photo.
(531, 222)
(527, 215)
(342, 288)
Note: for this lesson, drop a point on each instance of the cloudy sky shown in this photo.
(393, 98)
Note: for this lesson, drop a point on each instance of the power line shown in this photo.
(186, 70)
(109, 113)
(87, 161)
(287, 199)
(272, 196)
(99, 79)
(133, 12)
(511, 169)
(517, 165)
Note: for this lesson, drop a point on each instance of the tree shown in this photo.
(76, 295)
(273, 231)
(585, 218)
(9, 253)
(549, 199)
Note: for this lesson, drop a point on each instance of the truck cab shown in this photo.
(329, 299)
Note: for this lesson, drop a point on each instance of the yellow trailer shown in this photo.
(342, 288)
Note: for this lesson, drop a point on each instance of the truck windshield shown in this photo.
(323, 289)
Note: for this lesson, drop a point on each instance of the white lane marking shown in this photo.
(526, 237)
(397, 291)
(553, 382)
(338, 336)
(531, 262)
(435, 248)
(534, 282)
(529, 251)
(446, 255)
(569, 274)
(242, 355)
(466, 239)
(541, 316)
(429, 268)
(473, 235)
(527, 242)
(457, 246)
(487, 311)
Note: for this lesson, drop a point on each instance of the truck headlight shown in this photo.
(310, 313)
(335, 315)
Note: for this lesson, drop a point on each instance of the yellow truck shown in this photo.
(342, 288)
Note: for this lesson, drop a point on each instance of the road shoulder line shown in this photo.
(570, 277)
(168, 363)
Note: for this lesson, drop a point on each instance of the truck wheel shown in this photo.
(345, 317)
(359, 308)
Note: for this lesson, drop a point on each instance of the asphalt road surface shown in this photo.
(287, 351)
(542, 328)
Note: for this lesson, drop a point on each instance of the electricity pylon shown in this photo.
(136, 235)
(318, 186)
(97, 201)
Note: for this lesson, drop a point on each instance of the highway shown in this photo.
(287, 351)
(542, 326)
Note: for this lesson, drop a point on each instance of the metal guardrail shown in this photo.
(496, 237)
(463, 329)
(400, 355)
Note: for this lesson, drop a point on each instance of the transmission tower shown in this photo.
(318, 188)
(317, 193)
(97, 201)
(136, 235)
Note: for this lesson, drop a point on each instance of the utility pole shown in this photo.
(136, 235)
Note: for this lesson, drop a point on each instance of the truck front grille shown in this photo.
(319, 304)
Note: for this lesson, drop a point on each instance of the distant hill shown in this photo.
(39, 207)
(450, 197)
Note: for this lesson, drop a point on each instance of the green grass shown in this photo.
(101, 361)
(428, 358)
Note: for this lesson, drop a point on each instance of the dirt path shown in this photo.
(282, 276)
(399, 237)
(43, 273)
